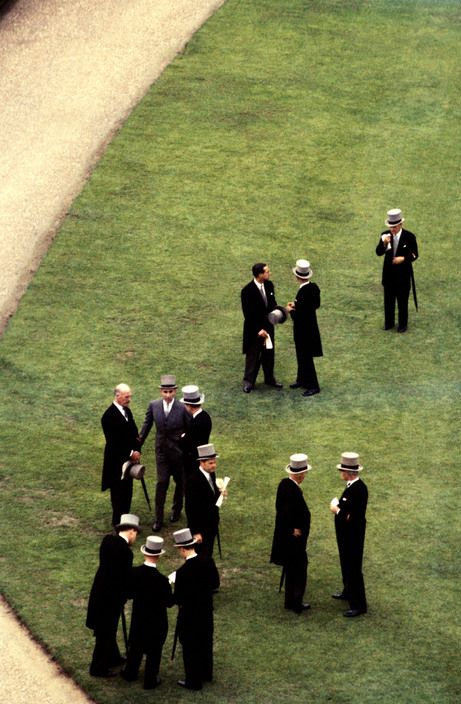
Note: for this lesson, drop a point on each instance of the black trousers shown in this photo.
(351, 558)
(106, 653)
(306, 376)
(121, 494)
(197, 653)
(153, 653)
(393, 293)
(163, 480)
(255, 357)
(295, 581)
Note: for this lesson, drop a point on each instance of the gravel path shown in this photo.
(70, 73)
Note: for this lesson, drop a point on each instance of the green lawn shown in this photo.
(285, 130)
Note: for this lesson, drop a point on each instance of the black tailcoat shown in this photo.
(255, 313)
(396, 278)
(121, 439)
(287, 550)
(197, 433)
(195, 582)
(107, 597)
(152, 595)
(201, 510)
(350, 525)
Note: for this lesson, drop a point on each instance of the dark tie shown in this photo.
(263, 294)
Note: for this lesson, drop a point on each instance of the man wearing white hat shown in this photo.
(199, 427)
(195, 582)
(350, 525)
(109, 593)
(400, 250)
(152, 595)
(171, 420)
(306, 333)
(292, 525)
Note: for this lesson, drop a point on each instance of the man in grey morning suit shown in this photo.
(171, 420)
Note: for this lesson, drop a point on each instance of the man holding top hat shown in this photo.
(350, 525)
(258, 299)
(292, 525)
(152, 595)
(306, 333)
(195, 581)
(199, 427)
(109, 593)
(171, 419)
(400, 250)
(201, 496)
(122, 444)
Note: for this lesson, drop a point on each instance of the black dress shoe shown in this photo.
(350, 613)
(339, 595)
(402, 329)
(388, 327)
(174, 516)
(127, 677)
(275, 384)
(247, 388)
(296, 385)
(103, 673)
(156, 526)
(311, 392)
(154, 684)
(183, 683)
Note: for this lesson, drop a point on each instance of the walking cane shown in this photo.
(414, 289)
(125, 632)
(282, 579)
(218, 537)
(175, 641)
(143, 484)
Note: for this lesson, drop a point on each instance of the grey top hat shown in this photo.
(183, 538)
(206, 452)
(298, 464)
(133, 469)
(127, 521)
(394, 217)
(349, 462)
(153, 546)
(192, 396)
(168, 381)
(277, 316)
(302, 269)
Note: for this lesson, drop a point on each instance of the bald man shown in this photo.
(122, 444)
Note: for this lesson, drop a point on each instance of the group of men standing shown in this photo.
(292, 526)
(117, 580)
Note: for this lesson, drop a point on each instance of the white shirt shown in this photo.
(121, 409)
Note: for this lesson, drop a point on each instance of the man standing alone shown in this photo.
(171, 419)
(350, 525)
(122, 444)
(258, 299)
(400, 250)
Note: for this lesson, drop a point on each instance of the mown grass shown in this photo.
(285, 130)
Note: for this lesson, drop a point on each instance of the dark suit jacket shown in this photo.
(197, 433)
(202, 514)
(195, 582)
(291, 512)
(168, 443)
(110, 585)
(151, 594)
(255, 313)
(350, 522)
(305, 328)
(121, 438)
(398, 274)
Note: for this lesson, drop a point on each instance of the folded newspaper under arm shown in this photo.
(222, 488)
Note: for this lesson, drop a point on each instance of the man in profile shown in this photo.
(122, 444)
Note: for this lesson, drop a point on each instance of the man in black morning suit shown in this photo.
(350, 526)
(292, 525)
(152, 595)
(201, 496)
(400, 250)
(198, 430)
(258, 299)
(195, 582)
(122, 444)
(109, 593)
(171, 420)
